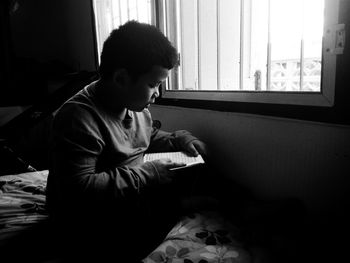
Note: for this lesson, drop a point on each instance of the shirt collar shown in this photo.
(120, 115)
(127, 121)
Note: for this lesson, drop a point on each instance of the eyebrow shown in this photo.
(157, 83)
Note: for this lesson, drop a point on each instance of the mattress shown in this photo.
(199, 238)
(204, 236)
(22, 202)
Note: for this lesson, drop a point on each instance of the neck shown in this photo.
(109, 100)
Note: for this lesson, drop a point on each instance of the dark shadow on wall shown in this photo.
(28, 133)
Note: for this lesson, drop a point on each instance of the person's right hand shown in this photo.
(163, 167)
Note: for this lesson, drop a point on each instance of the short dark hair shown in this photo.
(136, 47)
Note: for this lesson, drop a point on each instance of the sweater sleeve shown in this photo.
(162, 141)
(77, 146)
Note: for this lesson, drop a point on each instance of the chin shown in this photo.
(139, 109)
(146, 107)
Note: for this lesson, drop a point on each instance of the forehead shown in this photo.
(157, 73)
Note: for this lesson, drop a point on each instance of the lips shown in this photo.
(149, 103)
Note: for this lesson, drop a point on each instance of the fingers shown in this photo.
(197, 147)
(175, 166)
(192, 149)
(168, 163)
(165, 169)
(201, 147)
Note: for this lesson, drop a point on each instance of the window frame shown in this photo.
(325, 98)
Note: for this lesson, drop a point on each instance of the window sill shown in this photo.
(335, 115)
(271, 97)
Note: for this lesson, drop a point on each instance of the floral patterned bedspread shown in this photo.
(200, 238)
(22, 202)
(197, 238)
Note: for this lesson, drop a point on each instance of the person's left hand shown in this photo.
(196, 147)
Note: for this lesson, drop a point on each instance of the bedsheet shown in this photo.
(22, 202)
(202, 237)
(198, 237)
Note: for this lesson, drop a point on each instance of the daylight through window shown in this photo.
(110, 14)
(254, 45)
(270, 51)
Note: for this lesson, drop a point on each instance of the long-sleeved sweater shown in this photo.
(97, 155)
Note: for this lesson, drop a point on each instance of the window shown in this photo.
(266, 51)
(110, 14)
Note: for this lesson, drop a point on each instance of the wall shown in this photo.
(8, 113)
(55, 30)
(37, 30)
(274, 157)
(51, 38)
(78, 15)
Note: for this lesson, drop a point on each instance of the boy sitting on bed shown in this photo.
(97, 178)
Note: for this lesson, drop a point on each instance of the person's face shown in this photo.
(142, 92)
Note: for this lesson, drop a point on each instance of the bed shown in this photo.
(198, 237)
(22, 202)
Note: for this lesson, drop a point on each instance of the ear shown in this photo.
(121, 77)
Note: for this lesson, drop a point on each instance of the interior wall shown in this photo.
(273, 157)
(55, 30)
(38, 30)
(8, 113)
(80, 34)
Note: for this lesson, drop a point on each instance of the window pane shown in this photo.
(208, 39)
(182, 31)
(286, 24)
(313, 32)
(255, 44)
(293, 31)
(207, 44)
(229, 12)
(263, 45)
(110, 14)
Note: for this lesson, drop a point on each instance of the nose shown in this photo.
(156, 92)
